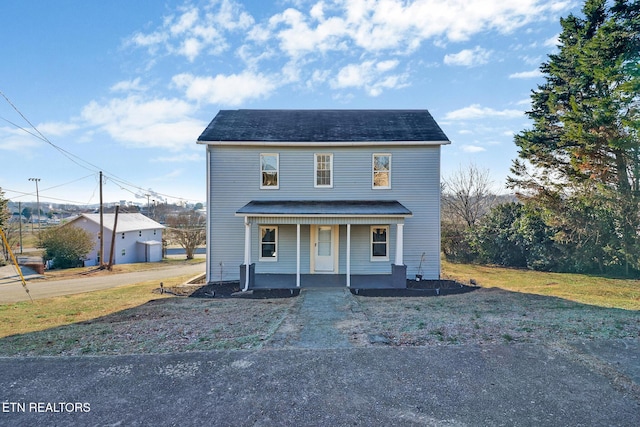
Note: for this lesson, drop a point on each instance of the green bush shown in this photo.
(66, 246)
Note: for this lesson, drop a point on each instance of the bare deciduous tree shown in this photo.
(188, 229)
(467, 195)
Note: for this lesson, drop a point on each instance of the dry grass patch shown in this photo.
(27, 316)
(512, 306)
(489, 316)
(159, 326)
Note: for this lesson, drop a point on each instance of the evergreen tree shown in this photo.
(586, 126)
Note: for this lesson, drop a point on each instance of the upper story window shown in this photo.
(269, 167)
(323, 170)
(381, 171)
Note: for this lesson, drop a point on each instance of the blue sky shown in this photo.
(128, 86)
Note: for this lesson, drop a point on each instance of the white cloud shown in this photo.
(233, 89)
(185, 22)
(369, 75)
(476, 111)
(472, 149)
(305, 35)
(384, 66)
(56, 128)
(193, 31)
(142, 122)
(16, 140)
(526, 74)
(553, 41)
(402, 25)
(127, 86)
(468, 57)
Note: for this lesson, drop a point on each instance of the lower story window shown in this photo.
(268, 243)
(380, 243)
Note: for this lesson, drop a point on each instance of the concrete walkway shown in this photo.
(320, 312)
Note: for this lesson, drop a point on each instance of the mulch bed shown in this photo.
(232, 290)
(423, 288)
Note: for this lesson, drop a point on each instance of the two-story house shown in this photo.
(323, 197)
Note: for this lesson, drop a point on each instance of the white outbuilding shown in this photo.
(137, 238)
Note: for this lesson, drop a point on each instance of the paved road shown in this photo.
(501, 385)
(11, 289)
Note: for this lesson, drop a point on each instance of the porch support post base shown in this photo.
(243, 275)
(398, 276)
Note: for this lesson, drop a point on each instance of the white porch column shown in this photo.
(247, 251)
(348, 255)
(399, 244)
(298, 255)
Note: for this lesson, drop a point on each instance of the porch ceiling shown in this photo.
(324, 211)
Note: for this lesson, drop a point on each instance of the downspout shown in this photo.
(298, 255)
(348, 255)
(247, 252)
(209, 217)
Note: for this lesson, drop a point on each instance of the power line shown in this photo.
(72, 157)
(55, 186)
(41, 136)
(22, 193)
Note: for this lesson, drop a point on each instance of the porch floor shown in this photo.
(288, 281)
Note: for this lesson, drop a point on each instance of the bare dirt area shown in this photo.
(182, 324)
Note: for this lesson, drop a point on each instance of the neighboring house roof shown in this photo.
(324, 207)
(323, 126)
(126, 221)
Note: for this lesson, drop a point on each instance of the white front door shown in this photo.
(324, 248)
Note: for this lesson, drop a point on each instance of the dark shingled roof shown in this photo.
(324, 207)
(323, 126)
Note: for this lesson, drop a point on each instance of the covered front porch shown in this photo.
(334, 258)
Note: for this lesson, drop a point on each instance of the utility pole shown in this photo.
(113, 240)
(101, 253)
(36, 180)
(20, 222)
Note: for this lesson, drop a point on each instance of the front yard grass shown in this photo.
(582, 288)
(511, 306)
(27, 316)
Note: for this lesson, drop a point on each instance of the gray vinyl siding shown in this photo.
(235, 181)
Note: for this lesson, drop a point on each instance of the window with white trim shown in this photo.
(380, 243)
(269, 167)
(323, 170)
(268, 243)
(381, 173)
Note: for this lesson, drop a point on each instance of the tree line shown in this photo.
(577, 175)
